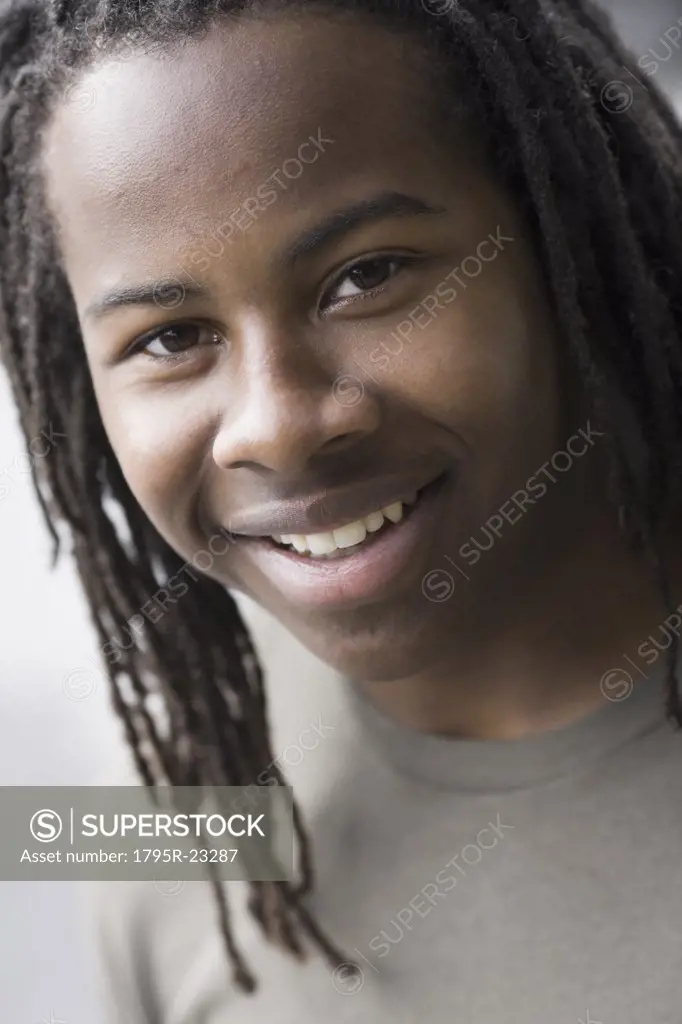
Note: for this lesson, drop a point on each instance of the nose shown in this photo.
(293, 407)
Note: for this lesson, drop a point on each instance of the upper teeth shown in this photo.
(345, 536)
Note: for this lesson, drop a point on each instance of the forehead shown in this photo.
(165, 142)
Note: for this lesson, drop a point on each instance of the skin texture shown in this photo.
(138, 184)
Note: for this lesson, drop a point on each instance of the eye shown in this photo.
(366, 277)
(176, 341)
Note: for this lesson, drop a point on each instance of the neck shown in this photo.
(536, 658)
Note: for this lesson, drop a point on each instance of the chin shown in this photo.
(384, 650)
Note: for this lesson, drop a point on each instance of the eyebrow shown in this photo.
(146, 295)
(367, 211)
(381, 207)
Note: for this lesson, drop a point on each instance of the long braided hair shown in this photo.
(593, 154)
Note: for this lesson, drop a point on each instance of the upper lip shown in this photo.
(326, 510)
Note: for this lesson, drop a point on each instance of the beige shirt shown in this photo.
(479, 881)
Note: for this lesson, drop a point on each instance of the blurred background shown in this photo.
(642, 25)
(56, 727)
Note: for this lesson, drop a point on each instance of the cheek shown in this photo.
(161, 439)
(481, 362)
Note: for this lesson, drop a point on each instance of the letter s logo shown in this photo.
(46, 826)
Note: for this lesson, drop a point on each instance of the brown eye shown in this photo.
(370, 274)
(176, 340)
(366, 275)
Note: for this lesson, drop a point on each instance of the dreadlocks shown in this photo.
(600, 183)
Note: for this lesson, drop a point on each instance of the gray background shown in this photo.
(55, 724)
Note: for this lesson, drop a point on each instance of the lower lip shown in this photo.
(363, 575)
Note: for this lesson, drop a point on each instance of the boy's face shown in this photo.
(353, 312)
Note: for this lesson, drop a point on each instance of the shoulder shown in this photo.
(150, 939)
(159, 950)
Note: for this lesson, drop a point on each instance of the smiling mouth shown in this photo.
(347, 539)
(360, 560)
